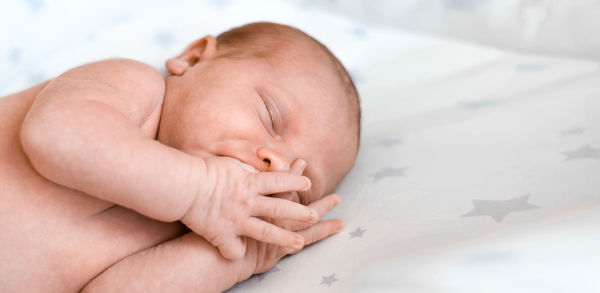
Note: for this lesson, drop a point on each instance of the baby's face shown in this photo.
(266, 114)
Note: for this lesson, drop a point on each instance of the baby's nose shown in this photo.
(273, 161)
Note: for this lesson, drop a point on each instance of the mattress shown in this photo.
(479, 167)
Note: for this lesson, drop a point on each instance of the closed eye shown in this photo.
(274, 110)
(270, 115)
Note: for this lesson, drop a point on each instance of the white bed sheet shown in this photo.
(479, 168)
(564, 27)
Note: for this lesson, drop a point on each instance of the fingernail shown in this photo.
(307, 184)
(301, 165)
(290, 250)
(336, 199)
(298, 242)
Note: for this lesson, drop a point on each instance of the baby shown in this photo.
(117, 179)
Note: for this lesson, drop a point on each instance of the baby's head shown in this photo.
(267, 95)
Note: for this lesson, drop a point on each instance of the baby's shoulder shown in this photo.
(132, 84)
(126, 65)
(126, 74)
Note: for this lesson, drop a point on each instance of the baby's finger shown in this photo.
(298, 167)
(277, 208)
(320, 231)
(291, 196)
(269, 233)
(325, 204)
(277, 182)
(322, 206)
(233, 248)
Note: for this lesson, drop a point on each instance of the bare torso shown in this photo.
(55, 238)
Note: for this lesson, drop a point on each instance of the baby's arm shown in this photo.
(185, 264)
(93, 129)
(190, 264)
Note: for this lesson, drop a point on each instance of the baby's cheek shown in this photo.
(316, 192)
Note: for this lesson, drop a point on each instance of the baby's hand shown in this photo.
(265, 255)
(236, 197)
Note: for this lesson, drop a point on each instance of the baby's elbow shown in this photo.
(39, 142)
(32, 137)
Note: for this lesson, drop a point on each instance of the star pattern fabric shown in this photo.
(164, 39)
(387, 172)
(14, 56)
(463, 5)
(572, 131)
(474, 105)
(433, 110)
(386, 143)
(357, 233)
(328, 280)
(35, 5)
(530, 67)
(584, 152)
(499, 209)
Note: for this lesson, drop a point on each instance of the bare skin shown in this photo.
(62, 231)
(56, 239)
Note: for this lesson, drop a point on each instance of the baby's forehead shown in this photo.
(277, 49)
(323, 131)
(308, 96)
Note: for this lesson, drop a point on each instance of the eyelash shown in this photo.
(270, 117)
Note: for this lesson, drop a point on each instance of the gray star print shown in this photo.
(474, 105)
(386, 143)
(329, 280)
(357, 233)
(584, 152)
(572, 131)
(498, 209)
(530, 66)
(164, 39)
(387, 172)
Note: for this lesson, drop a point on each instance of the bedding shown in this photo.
(566, 27)
(479, 167)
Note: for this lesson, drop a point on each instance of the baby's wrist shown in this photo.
(200, 183)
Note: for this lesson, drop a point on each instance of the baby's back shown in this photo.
(56, 238)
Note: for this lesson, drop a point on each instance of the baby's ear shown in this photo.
(200, 50)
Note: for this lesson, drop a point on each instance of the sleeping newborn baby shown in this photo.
(117, 179)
